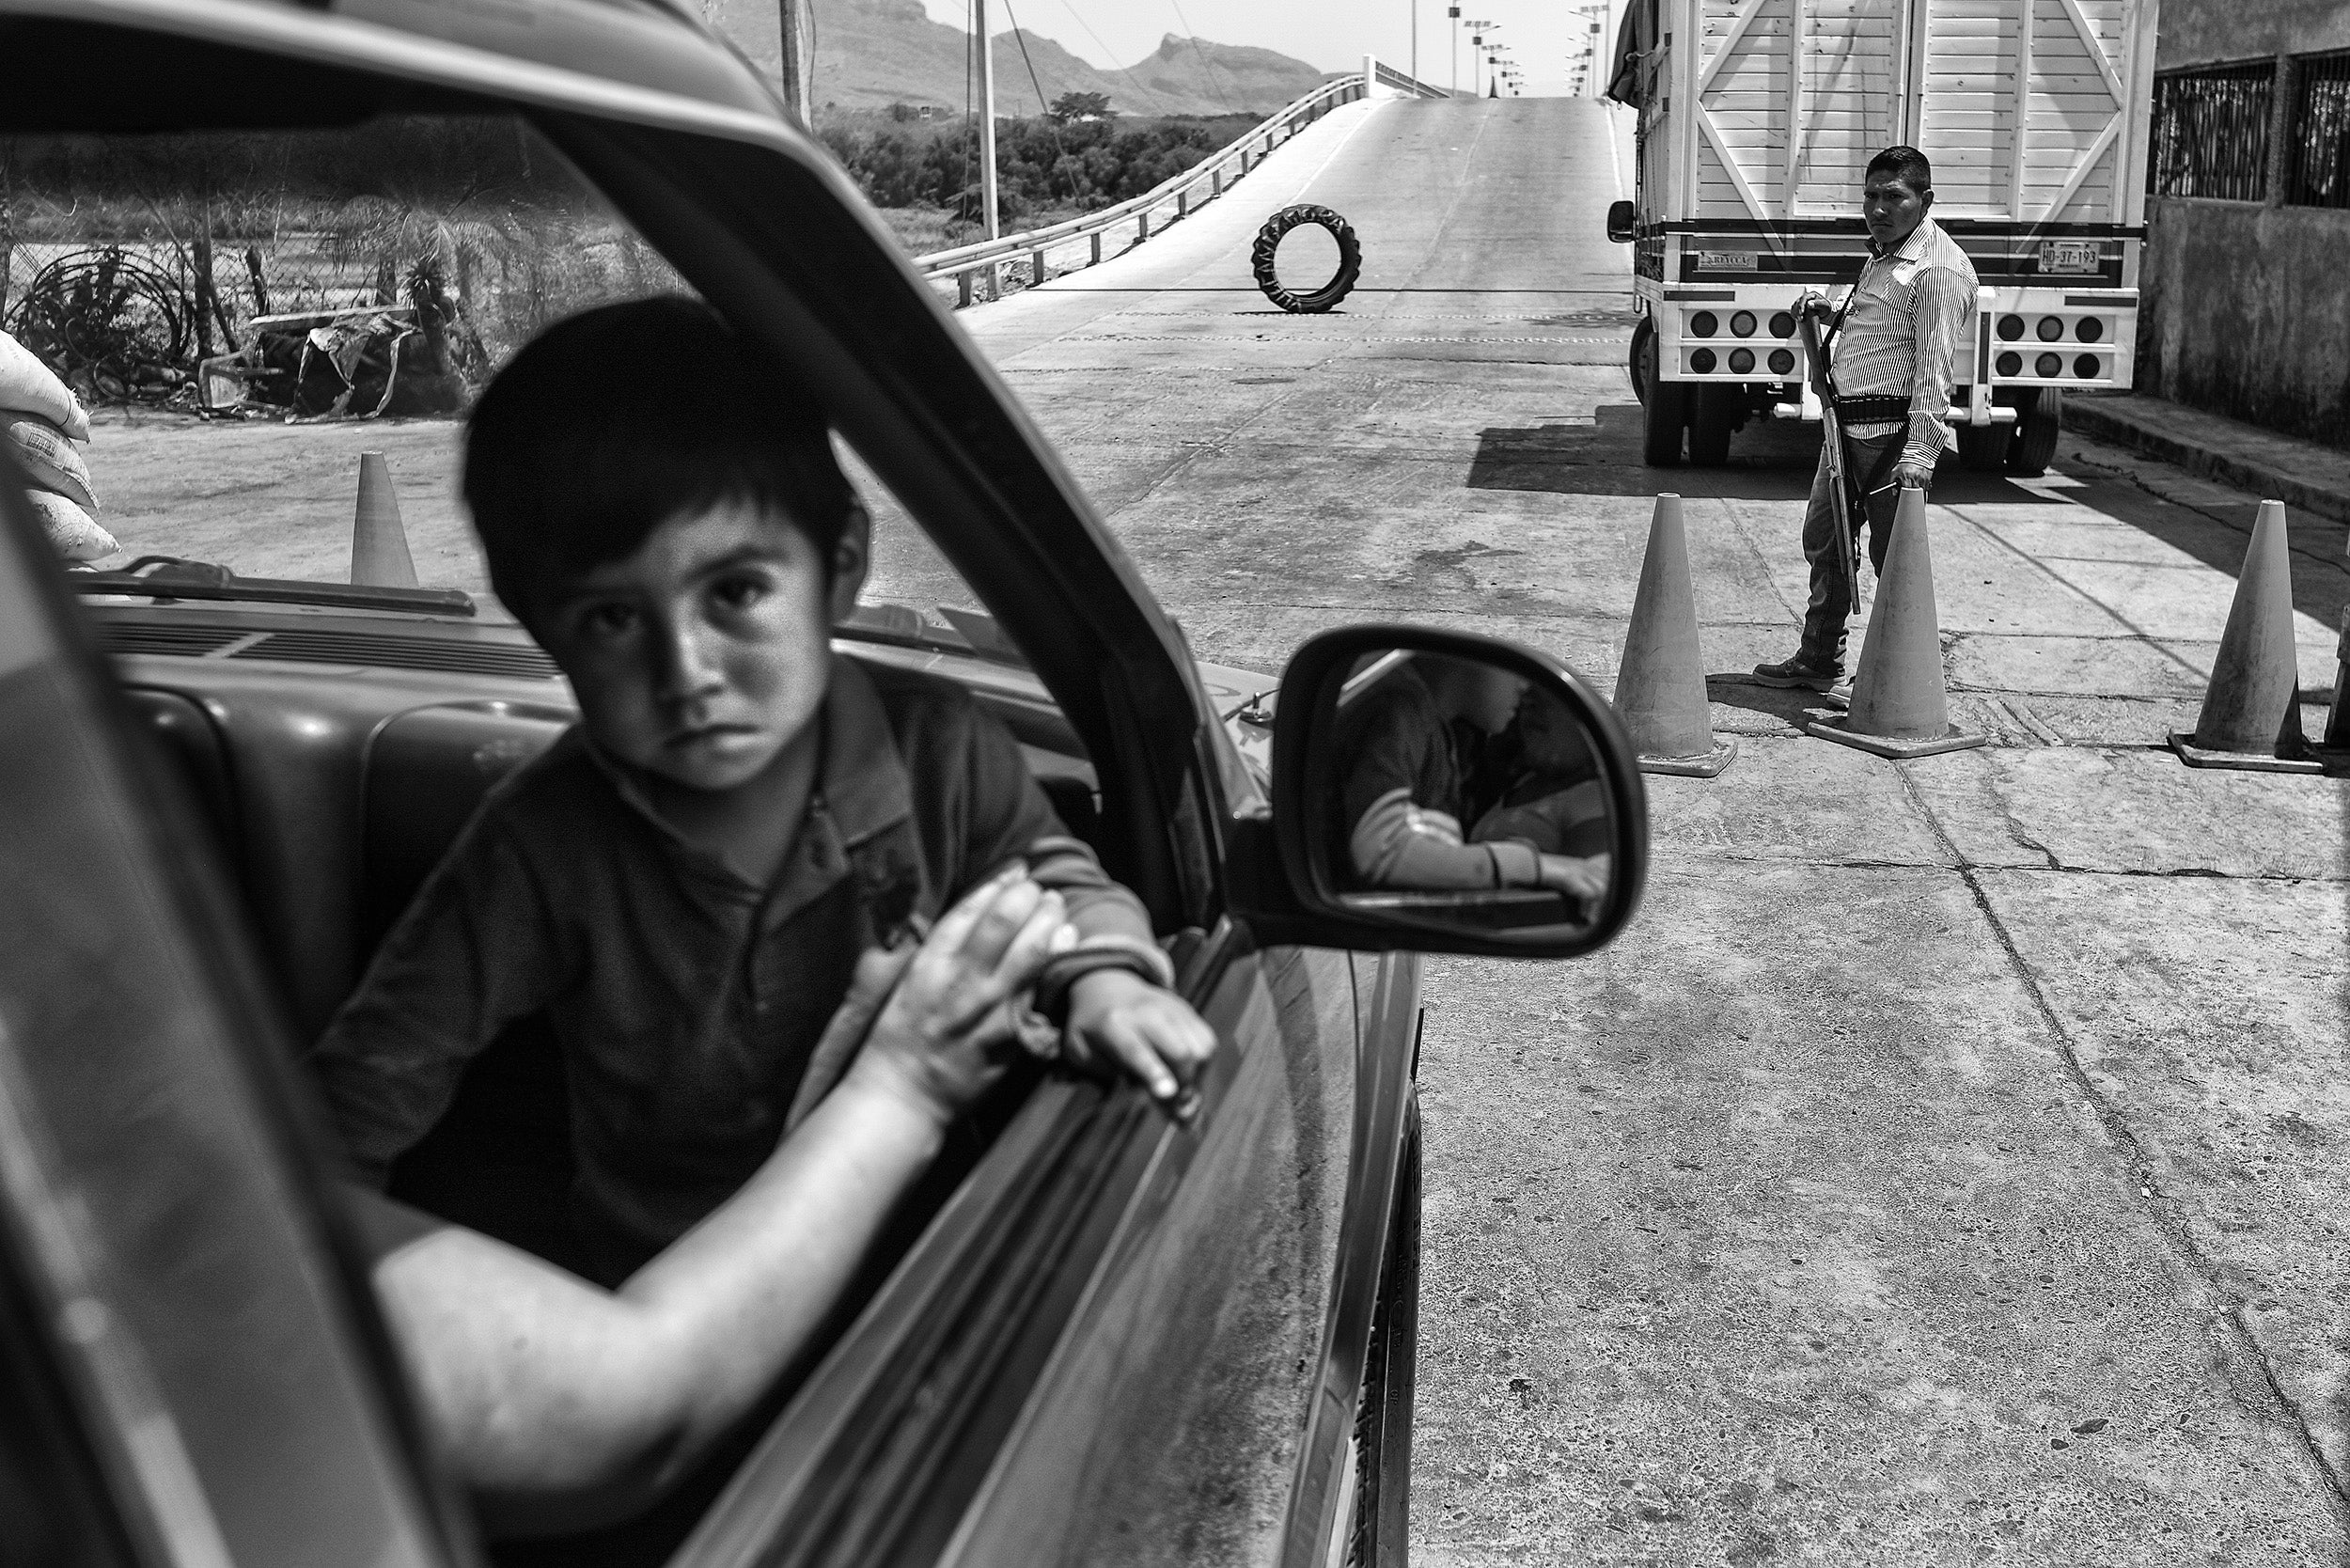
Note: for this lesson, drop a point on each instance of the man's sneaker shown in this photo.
(1802, 670)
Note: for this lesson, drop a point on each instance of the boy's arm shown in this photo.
(475, 951)
(1116, 985)
(1011, 819)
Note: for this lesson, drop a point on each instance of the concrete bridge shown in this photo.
(1948, 1164)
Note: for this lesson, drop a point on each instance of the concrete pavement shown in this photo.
(1947, 1164)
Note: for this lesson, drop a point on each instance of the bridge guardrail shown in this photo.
(971, 265)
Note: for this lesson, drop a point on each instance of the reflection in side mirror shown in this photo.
(1447, 783)
(1622, 221)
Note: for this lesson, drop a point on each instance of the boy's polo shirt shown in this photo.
(687, 999)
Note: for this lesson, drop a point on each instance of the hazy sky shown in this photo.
(1332, 34)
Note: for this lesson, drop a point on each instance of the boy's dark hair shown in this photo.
(1904, 164)
(610, 423)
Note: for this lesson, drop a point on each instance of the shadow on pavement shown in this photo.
(1773, 460)
(2218, 535)
(1737, 689)
(1770, 461)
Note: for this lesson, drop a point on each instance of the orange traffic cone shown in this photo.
(2251, 715)
(1898, 709)
(379, 545)
(1660, 687)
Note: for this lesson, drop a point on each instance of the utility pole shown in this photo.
(1414, 39)
(987, 123)
(799, 61)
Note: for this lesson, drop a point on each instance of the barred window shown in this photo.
(2211, 132)
(2320, 144)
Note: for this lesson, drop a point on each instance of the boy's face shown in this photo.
(701, 656)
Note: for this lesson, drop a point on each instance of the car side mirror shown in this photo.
(1621, 222)
(1450, 792)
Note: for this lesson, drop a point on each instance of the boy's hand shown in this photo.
(1121, 1018)
(937, 1043)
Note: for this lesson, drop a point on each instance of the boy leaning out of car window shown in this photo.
(685, 884)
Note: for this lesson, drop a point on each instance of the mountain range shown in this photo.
(871, 54)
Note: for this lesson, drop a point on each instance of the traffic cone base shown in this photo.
(1660, 683)
(1704, 765)
(2182, 742)
(1830, 725)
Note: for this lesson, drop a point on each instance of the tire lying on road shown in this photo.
(1269, 241)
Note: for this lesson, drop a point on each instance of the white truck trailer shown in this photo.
(1757, 122)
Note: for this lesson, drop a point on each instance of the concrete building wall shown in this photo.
(2247, 305)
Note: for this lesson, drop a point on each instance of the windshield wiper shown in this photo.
(172, 577)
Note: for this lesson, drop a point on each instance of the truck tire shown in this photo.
(1713, 414)
(1643, 338)
(1668, 412)
(2039, 419)
(1983, 448)
(1261, 256)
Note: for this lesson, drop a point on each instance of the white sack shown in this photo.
(49, 458)
(29, 386)
(75, 533)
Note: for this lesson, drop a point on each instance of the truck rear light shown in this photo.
(1705, 324)
(2009, 364)
(1782, 362)
(1741, 360)
(2050, 328)
(2088, 329)
(1742, 325)
(2087, 367)
(1782, 325)
(1702, 361)
(2049, 365)
(2011, 328)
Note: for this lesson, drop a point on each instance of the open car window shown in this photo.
(243, 314)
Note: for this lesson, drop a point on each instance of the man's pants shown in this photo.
(1831, 595)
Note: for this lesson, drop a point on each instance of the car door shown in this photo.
(765, 227)
(210, 1373)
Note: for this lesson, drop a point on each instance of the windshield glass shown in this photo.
(209, 332)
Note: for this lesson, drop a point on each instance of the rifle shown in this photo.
(1832, 428)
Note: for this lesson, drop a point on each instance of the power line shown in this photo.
(1043, 109)
(1108, 53)
(1205, 68)
(1020, 39)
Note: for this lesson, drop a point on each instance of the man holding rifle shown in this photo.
(1889, 349)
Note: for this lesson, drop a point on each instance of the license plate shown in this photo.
(2068, 256)
(1726, 260)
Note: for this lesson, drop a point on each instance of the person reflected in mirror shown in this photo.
(560, 1404)
(1539, 785)
(1411, 747)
